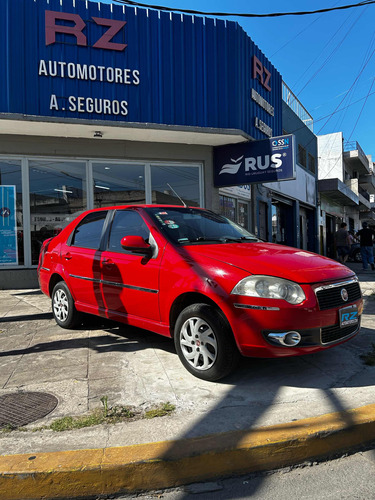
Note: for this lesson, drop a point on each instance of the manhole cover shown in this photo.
(23, 408)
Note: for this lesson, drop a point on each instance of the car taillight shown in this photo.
(43, 251)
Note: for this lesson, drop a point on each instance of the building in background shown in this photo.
(106, 104)
(289, 209)
(346, 184)
(283, 212)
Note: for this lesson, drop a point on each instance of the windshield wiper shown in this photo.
(224, 239)
(241, 239)
(203, 238)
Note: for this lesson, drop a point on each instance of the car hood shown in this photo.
(274, 260)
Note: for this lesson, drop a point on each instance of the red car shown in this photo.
(195, 276)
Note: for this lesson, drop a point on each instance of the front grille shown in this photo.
(330, 297)
(335, 333)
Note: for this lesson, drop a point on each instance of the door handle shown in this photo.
(68, 256)
(108, 262)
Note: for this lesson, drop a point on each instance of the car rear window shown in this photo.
(88, 233)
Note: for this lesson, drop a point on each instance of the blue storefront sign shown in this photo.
(8, 226)
(65, 59)
(269, 160)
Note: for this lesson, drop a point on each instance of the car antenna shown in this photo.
(181, 200)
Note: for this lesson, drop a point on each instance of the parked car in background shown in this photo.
(195, 276)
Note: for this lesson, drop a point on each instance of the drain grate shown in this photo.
(22, 408)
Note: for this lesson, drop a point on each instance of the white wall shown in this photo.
(303, 188)
(330, 156)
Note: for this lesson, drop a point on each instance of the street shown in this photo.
(349, 477)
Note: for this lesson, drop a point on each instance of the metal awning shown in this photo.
(367, 182)
(101, 129)
(337, 191)
(357, 160)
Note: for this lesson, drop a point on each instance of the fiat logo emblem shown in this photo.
(344, 295)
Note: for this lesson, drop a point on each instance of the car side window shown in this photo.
(126, 223)
(89, 231)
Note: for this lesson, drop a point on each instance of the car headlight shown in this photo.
(268, 287)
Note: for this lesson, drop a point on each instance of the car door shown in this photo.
(80, 257)
(130, 282)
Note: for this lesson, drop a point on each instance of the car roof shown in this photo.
(122, 207)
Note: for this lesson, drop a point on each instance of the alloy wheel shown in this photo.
(198, 343)
(60, 305)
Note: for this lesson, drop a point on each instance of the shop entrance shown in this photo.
(307, 226)
(263, 221)
(282, 223)
(330, 232)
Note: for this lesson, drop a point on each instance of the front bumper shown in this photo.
(316, 320)
(324, 336)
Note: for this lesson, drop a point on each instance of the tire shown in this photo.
(63, 308)
(204, 342)
(357, 257)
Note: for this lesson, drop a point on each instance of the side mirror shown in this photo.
(136, 244)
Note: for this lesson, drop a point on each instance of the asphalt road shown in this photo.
(348, 478)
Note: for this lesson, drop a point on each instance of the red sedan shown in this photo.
(195, 276)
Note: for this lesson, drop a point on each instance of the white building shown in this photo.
(346, 182)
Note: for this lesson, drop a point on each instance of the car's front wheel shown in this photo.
(63, 308)
(205, 343)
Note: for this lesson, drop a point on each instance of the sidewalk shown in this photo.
(268, 414)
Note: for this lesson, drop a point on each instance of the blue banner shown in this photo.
(270, 160)
(96, 61)
(8, 226)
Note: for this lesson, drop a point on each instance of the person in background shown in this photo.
(351, 238)
(342, 243)
(366, 240)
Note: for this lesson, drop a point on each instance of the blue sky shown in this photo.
(328, 60)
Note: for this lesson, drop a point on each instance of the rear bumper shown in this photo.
(43, 279)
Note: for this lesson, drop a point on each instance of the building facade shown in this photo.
(346, 184)
(293, 204)
(107, 104)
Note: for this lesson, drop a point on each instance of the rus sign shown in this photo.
(269, 160)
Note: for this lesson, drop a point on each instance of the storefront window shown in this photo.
(57, 194)
(312, 163)
(243, 214)
(228, 207)
(59, 191)
(118, 184)
(184, 180)
(302, 160)
(11, 214)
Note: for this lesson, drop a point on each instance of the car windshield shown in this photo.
(187, 226)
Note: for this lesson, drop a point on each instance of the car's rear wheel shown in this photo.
(205, 343)
(63, 308)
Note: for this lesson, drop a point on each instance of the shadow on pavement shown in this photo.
(251, 392)
(26, 317)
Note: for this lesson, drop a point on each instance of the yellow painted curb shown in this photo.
(165, 464)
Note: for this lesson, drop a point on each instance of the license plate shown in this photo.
(348, 316)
